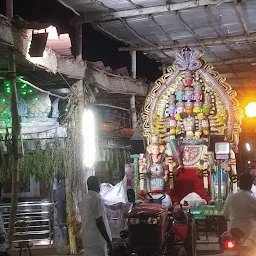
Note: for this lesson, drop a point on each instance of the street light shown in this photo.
(250, 110)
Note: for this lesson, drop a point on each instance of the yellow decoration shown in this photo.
(177, 117)
(198, 134)
(178, 130)
(206, 131)
(172, 131)
(200, 116)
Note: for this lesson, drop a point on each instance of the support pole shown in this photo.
(80, 87)
(136, 174)
(219, 176)
(134, 115)
(134, 64)
(68, 184)
(133, 100)
(15, 132)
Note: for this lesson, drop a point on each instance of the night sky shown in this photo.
(96, 46)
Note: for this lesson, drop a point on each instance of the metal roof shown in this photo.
(225, 30)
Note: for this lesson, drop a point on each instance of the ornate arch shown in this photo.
(227, 111)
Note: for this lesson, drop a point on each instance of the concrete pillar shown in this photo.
(134, 64)
(134, 114)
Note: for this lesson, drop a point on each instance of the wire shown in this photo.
(41, 90)
(67, 83)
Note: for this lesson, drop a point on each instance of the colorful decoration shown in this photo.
(31, 103)
(186, 106)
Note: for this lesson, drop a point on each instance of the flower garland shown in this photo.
(183, 115)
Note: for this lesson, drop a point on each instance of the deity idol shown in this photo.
(189, 126)
(143, 173)
(180, 92)
(172, 99)
(187, 78)
(171, 108)
(156, 170)
(189, 94)
(197, 107)
(207, 104)
(189, 107)
(180, 107)
(198, 93)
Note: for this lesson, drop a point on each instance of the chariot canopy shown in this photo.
(191, 94)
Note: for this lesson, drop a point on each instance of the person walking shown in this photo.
(96, 235)
(4, 244)
(240, 208)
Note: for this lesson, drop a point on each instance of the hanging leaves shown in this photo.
(43, 162)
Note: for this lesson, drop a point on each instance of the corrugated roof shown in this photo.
(169, 23)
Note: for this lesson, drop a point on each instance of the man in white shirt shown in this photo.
(240, 208)
(253, 190)
(4, 244)
(96, 235)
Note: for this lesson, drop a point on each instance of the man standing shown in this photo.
(253, 190)
(240, 208)
(96, 235)
(4, 245)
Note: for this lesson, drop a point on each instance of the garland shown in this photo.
(200, 116)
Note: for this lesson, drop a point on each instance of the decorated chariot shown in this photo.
(189, 109)
(191, 125)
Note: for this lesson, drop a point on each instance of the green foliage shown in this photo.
(113, 160)
(44, 163)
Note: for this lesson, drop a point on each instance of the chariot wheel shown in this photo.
(190, 244)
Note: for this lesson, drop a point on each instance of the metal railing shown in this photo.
(34, 222)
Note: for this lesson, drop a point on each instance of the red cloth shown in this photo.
(181, 231)
(186, 183)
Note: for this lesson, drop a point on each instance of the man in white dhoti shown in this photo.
(96, 235)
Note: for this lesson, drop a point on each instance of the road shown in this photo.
(208, 246)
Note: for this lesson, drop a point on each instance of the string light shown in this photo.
(23, 89)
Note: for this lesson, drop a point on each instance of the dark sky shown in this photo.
(96, 46)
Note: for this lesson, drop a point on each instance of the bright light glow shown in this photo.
(249, 162)
(52, 32)
(250, 110)
(230, 244)
(248, 146)
(89, 138)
